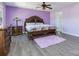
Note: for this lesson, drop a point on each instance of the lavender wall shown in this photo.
(23, 13)
(71, 20)
(52, 18)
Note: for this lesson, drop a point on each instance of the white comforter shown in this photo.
(31, 28)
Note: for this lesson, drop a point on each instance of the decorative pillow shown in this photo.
(38, 27)
(29, 28)
(28, 24)
(39, 23)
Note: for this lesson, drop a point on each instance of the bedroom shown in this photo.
(55, 25)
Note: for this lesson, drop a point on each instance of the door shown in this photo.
(59, 18)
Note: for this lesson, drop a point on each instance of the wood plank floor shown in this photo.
(21, 46)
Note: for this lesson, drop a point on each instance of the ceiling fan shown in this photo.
(44, 6)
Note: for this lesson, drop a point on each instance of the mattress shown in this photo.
(36, 27)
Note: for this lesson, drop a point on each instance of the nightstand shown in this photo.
(17, 30)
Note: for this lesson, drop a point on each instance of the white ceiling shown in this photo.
(33, 5)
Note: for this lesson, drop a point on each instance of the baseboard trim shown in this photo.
(71, 34)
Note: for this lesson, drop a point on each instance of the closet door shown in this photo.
(59, 18)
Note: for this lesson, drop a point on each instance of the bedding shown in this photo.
(28, 24)
(38, 27)
(39, 24)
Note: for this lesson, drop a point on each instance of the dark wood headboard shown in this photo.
(33, 19)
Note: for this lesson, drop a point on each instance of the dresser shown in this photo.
(16, 30)
(5, 40)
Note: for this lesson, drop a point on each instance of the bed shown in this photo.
(35, 27)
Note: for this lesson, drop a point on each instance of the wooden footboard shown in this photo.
(36, 34)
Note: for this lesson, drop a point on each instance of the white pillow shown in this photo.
(39, 23)
(30, 28)
(38, 27)
(29, 24)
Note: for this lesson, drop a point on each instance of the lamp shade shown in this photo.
(16, 18)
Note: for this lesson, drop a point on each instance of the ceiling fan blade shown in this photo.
(38, 7)
(49, 7)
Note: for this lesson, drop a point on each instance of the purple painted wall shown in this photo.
(22, 13)
(71, 20)
(52, 18)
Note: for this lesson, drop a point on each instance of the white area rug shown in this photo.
(44, 42)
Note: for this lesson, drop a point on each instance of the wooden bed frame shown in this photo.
(36, 34)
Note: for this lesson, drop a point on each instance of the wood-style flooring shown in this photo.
(22, 46)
